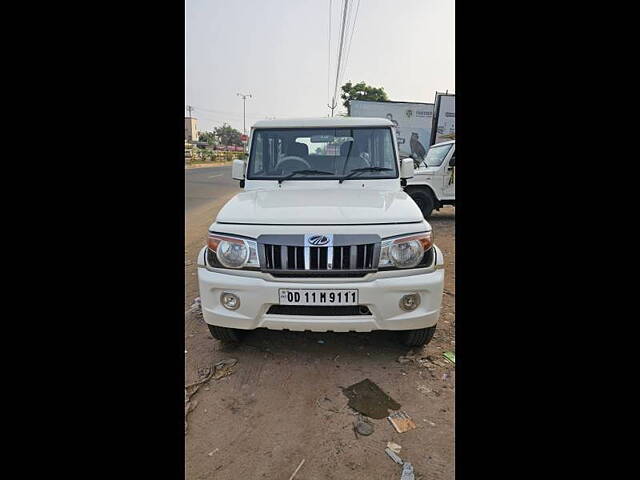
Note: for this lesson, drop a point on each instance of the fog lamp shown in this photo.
(410, 302)
(230, 301)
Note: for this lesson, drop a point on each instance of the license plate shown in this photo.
(318, 297)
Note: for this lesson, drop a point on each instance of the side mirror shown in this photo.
(452, 162)
(406, 168)
(237, 169)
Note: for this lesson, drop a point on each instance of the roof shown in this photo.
(324, 122)
(391, 101)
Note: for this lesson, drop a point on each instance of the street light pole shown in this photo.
(244, 110)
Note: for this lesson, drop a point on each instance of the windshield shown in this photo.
(436, 155)
(331, 153)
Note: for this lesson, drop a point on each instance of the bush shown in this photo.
(196, 155)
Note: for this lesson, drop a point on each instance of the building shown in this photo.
(190, 129)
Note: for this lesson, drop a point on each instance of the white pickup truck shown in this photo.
(323, 238)
(433, 184)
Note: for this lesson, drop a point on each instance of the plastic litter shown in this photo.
(401, 422)
(368, 398)
(223, 368)
(197, 303)
(363, 428)
(451, 356)
(411, 356)
(393, 455)
(296, 470)
(394, 447)
(407, 472)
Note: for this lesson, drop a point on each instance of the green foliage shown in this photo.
(208, 137)
(228, 135)
(362, 91)
(205, 156)
(208, 156)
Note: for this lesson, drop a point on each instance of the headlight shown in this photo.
(231, 252)
(405, 252)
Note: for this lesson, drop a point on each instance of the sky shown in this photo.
(279, 52)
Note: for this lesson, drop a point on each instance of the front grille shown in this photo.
(320, 311)
(341, 258)
(318, 273)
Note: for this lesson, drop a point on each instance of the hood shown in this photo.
(320, 207)
(426, 170)
(422, 175)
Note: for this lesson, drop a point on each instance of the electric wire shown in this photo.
(340, 48)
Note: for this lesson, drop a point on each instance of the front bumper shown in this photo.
(381, 294)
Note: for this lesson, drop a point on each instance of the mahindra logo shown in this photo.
(318, 240)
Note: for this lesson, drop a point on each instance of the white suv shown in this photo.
(323, 238)
(433, 184)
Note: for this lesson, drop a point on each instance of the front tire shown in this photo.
(425, 202)
(419, 337)
(226, 335)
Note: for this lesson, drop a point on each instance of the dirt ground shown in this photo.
(283, 402)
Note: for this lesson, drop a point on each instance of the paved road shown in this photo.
(206, 191)
(204, 185)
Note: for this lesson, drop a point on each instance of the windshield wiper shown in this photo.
(303, 172)
(364, 169)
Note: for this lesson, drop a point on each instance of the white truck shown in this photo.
(434, 182)
(444, 118)
(413, 122)
(418, 126)
(322, 238)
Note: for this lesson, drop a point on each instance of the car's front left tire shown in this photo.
(419, 337)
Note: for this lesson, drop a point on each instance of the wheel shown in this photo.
(418, 338)
(227, 335)
(424, 200)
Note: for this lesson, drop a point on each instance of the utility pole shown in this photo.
(244, 110)
(332, 107)
(190, 108)
(334, 103)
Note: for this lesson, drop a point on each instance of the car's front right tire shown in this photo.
(226, 335)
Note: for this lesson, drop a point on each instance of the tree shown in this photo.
(208, 137)
(362, 91)
(228, 135)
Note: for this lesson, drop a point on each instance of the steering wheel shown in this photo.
(288, 163)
